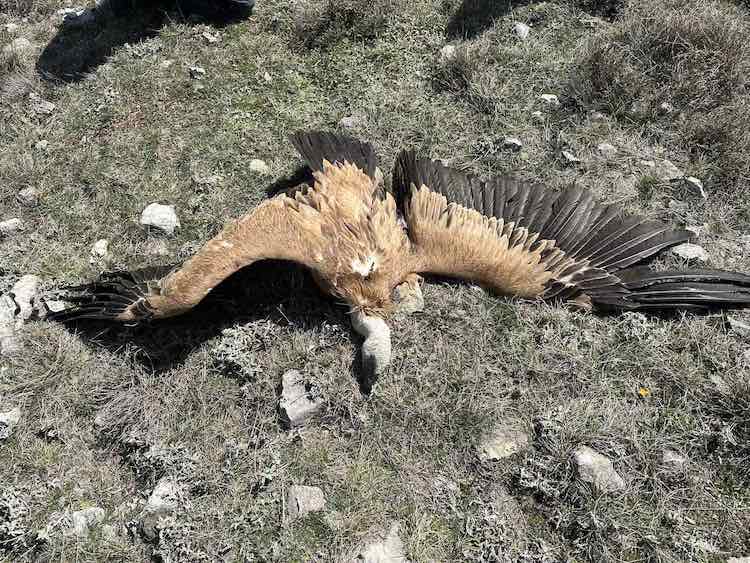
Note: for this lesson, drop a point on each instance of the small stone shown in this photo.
(521, 30)
(259, 166)
(538, 116)
(161, 504)
(448, 53)
(210, 38)
(598, 470)
(503, 442)
(8, 421)
(550, 99)
(10, 226)
(197, 72)
(597, 117)
(41, 145)
(99, 250)
(672, 459)
(696, 186)
(666, 170)
(302, 500)
(512, 143)
(18, 45)
(10, 344)
(647, 163)
(83, 520)
(745, 559)
(348, 122)
(665, 108)
(737, 326)
(267, 77)
(162, 217)
(607, 150)
(570, 158)
(388, 549)
(28, 196)
(299, 399)
(11, 27)
(166, 63)
(409, 299)
(690, 251)
(40, 105)
(26, 295)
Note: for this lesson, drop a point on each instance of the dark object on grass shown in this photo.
(84, 42)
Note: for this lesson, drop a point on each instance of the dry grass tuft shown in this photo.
(324, 23)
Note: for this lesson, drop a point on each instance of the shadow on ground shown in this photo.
(83, 43)
(281, 292)
(473, 17)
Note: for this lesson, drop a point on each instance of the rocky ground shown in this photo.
(503, 431)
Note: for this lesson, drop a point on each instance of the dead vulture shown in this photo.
(360, 241)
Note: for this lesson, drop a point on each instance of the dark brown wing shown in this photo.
(598, 242)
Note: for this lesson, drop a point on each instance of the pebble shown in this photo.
(448, 53)
(503, 441)
(512, 143)
(302, 500)
(607, 150)
(26, 295)
(260, 167)
(521, 30)
(696, 186)
(388, 549)
(8, 421)
(197, 72)
(28, 196)
(299, 400)
(550, 99)
(162, 503)
(690, 251)
(598, 470)
(162, 217)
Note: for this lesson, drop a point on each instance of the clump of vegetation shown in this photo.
(323, 24)
(682, 64)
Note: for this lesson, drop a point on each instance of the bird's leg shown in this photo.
(376, 349)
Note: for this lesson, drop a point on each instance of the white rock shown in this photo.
(40, 105)
(42, 145)
(388, 549)
(162, 217)
(448, 53)
(18, 46)
(302, 500)
(100, 247)
(26, 295)
(348, 122)
(607, 150)
(570, 158)
(597, 117)
(690, 251)
(647, 163)
(83, 520)
(745, 559)
(28, 196)
(666, 170)
(10, 226)
(10, 344)
(503, 441)
(260, 167)
(162, 503)
(11, 27)
(299, 400)
(538, 116)
(512, 143)
(409, 299)
(267, 77)
(696, 186)
(550, 99)
(598, 470)
(8, 421)
(672, 459)
(210, 38)
(521, 30)
(166, 63)
(737, 326)
(197, 72)
(665, 108)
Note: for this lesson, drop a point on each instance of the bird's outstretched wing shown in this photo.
(526, 240)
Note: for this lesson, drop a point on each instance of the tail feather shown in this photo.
(317, 146)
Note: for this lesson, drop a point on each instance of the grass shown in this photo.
(195, 399)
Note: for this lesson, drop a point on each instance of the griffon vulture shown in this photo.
(360, 241)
